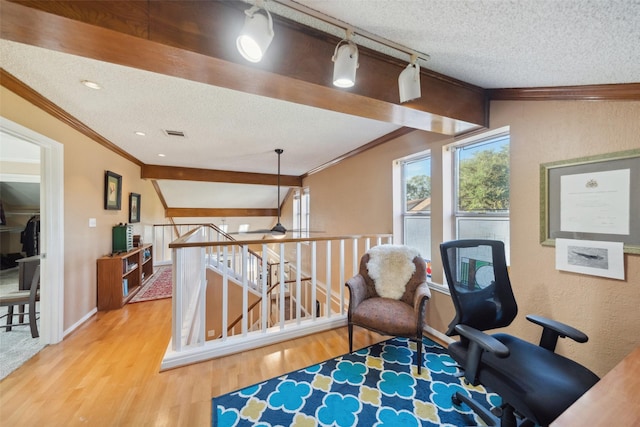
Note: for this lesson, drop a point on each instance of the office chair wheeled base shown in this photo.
(502, 416)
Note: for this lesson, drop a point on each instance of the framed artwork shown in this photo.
(592, 198)
(134, 207)
(592, 257)
(112, 191)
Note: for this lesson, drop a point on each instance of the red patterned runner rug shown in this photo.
(160, 286)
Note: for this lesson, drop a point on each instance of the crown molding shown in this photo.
(605, 92)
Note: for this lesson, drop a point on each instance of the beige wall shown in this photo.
(606, 309)
(85, 162)
(356, 197)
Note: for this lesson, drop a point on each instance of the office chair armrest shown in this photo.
(484, 341)
(552, 330)
(478, 342)
(421, 296)
(357, 291)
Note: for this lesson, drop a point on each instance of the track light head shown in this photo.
(345, 59)
(256, 34)
(409, 81)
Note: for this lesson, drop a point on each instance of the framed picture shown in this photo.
(134, 207)
(112, 191)
(592, 198)
(592, 257)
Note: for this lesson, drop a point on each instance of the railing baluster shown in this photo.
(298, 282)
(342, 281)
(355, 257)
(314, 280)
(245, 288)
(327, 285)
(265, 312)
(202, 309)
(225, 293)
(176, 326)
(282, 286)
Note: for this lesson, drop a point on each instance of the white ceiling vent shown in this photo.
(176, 133)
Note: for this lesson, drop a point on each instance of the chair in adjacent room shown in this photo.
(535, 383)
(389, 294)
(21, 299)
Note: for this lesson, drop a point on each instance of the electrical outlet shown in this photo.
(211, 333)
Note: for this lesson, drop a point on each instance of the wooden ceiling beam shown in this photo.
(195, 40)
(218, 212)
(211, 175)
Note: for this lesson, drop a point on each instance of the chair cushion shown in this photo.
(538, 383)
(387, 315)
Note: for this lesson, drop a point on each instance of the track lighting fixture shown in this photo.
(345, 59)
(409, 81)
(256, 34)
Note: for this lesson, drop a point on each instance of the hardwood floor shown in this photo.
(106, 373)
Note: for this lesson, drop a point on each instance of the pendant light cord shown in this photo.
(279, 151)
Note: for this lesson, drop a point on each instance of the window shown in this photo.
(301, 213)
(416, 196)
(481, 188)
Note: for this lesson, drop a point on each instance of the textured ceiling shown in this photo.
(508, 43)
(488, 43)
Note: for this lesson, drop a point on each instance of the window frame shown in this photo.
(404, 213)
(301, 213)
(459, 215)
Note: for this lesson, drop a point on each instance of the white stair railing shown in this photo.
(319, 260)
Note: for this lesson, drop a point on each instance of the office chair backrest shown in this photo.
(476, 273)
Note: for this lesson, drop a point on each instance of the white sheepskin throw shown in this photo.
(391, 267)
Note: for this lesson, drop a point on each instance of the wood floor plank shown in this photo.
(106, 373)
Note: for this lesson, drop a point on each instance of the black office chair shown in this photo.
(536, 384)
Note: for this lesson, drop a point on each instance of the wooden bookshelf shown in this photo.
(120, 276)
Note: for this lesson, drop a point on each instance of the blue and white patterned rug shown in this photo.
(376, 386)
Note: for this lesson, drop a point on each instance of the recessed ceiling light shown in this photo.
(140, 133)
(90, 84)
(162, 155)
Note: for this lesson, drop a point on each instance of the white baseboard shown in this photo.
(80, 322)
(218, 348)
(437, 334)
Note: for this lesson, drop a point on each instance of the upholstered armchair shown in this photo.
(389, 294)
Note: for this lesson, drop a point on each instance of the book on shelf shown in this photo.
(125, 287)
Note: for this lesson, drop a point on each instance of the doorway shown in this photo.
(51, 240)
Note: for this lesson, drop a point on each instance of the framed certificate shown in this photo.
(592, 198)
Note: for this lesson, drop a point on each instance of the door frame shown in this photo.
(51, 229)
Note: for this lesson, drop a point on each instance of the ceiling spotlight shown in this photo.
(256, 35)
(409, 81)
(91, 85)
(140, 133)
(345, 59)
